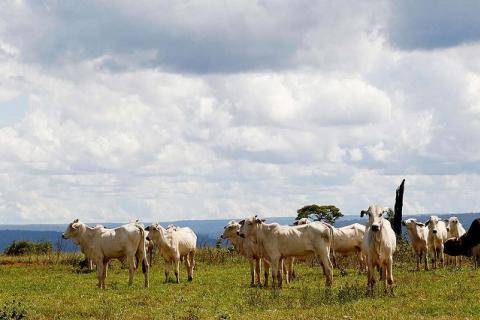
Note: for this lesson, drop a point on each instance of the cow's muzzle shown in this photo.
(434, 231)
(375, 228)
(148, 238)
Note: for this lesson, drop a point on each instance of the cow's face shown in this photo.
(375, 217)
(432, 224)
(230, 230)
(411, 224)
(248, 227)
(153, 232)
(73, 230)
(452, 223)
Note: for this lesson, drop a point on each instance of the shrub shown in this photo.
(13, 310)
(17, 248)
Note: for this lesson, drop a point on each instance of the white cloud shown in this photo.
(220, 115)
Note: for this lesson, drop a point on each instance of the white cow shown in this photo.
(437, 235)
(454, 230)
(101, 245)
(175, 244)
(249, 249)
(279, 242)
(418, 234)
(349, 240)
(379, 244)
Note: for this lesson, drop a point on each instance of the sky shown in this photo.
(116, 110)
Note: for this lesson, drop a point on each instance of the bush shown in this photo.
(14, 310)
(18, 248)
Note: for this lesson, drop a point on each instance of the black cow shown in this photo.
(463, 246)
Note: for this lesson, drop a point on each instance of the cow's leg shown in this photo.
(257, 272)
(384, 272)
(252, 272)
(284, 273)
(281, 266)
(100, 273)
(145, 270)
(177, 269)
(274, 261)
(442, 255)
(266, 270)
(419, 256)
(187, 266)
(370, 274)
(389, 274)
(90, 264)
(425, 258)
(191, 256)
(327, 266)
(104, 272)
(131, 269)
(291, 270)
(168, 266)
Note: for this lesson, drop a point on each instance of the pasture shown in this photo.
(53, 287)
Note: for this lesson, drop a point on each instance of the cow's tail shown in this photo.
(331, 242)
(142, 249)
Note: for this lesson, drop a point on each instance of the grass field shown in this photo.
(51, 287)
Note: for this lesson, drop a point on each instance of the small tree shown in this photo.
(390, 215)
(319, 213)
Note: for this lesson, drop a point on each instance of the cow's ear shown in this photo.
(147, 228)
(74, 225)
(426, 223)
(241, 222)
(403, 223)
(420, 224)
(362, 213)
(257, 220)
(75, 221)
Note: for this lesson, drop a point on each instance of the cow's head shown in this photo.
(451, 223)
(375, 217)
(153, 231)
(432, 224)
(248, 227)
(230, 230)
(74, 229)
(412, 224)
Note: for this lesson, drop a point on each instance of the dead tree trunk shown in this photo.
(397, 217)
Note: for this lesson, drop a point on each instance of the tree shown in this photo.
(319, 213)
(390, 215)
(397, 220)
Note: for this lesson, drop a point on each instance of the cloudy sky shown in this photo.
(112, 110)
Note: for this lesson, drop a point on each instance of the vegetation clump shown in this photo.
(19, 248)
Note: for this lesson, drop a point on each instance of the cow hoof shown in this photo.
(190, 279)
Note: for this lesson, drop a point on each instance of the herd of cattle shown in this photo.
(276, 247)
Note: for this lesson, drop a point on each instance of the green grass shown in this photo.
(50, 287)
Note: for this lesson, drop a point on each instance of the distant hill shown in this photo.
(206, 230)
